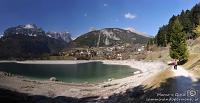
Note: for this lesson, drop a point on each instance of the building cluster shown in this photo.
(109, 53)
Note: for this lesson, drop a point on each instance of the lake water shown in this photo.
(83, 72)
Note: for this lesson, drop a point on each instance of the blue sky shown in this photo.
(79, 16)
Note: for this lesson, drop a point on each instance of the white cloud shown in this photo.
(129, 16)
(105, 5)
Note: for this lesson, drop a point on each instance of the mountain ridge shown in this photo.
(34, 30)
(27, 42)
(109, 37)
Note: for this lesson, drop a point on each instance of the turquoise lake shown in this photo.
(79, 73)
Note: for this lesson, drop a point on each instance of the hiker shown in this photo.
(175, 64)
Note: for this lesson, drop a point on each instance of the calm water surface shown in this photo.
(83, 72)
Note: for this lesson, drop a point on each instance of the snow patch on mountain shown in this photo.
(28, 26)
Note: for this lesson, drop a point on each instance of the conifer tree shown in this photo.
(196, 30)
(178, 49)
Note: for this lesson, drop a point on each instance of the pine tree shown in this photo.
(196, 30)
(178, 49)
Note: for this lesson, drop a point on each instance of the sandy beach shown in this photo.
(80, 90)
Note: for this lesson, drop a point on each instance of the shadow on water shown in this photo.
(175, 90)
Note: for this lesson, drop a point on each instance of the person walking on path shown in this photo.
(175, 64)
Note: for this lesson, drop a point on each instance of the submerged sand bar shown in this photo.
(79, 90)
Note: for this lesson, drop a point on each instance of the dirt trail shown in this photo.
(170, 73)
(180, 71)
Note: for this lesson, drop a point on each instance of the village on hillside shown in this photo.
(116, 52)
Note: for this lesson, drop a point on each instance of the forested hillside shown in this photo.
(189, 20)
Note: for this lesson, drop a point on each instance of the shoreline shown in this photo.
(140, 65)
(79, 90)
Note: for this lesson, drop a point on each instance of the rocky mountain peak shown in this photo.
(28, 29)
(33, 30)
(60, 35)
(29, 26)
(109, 37)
